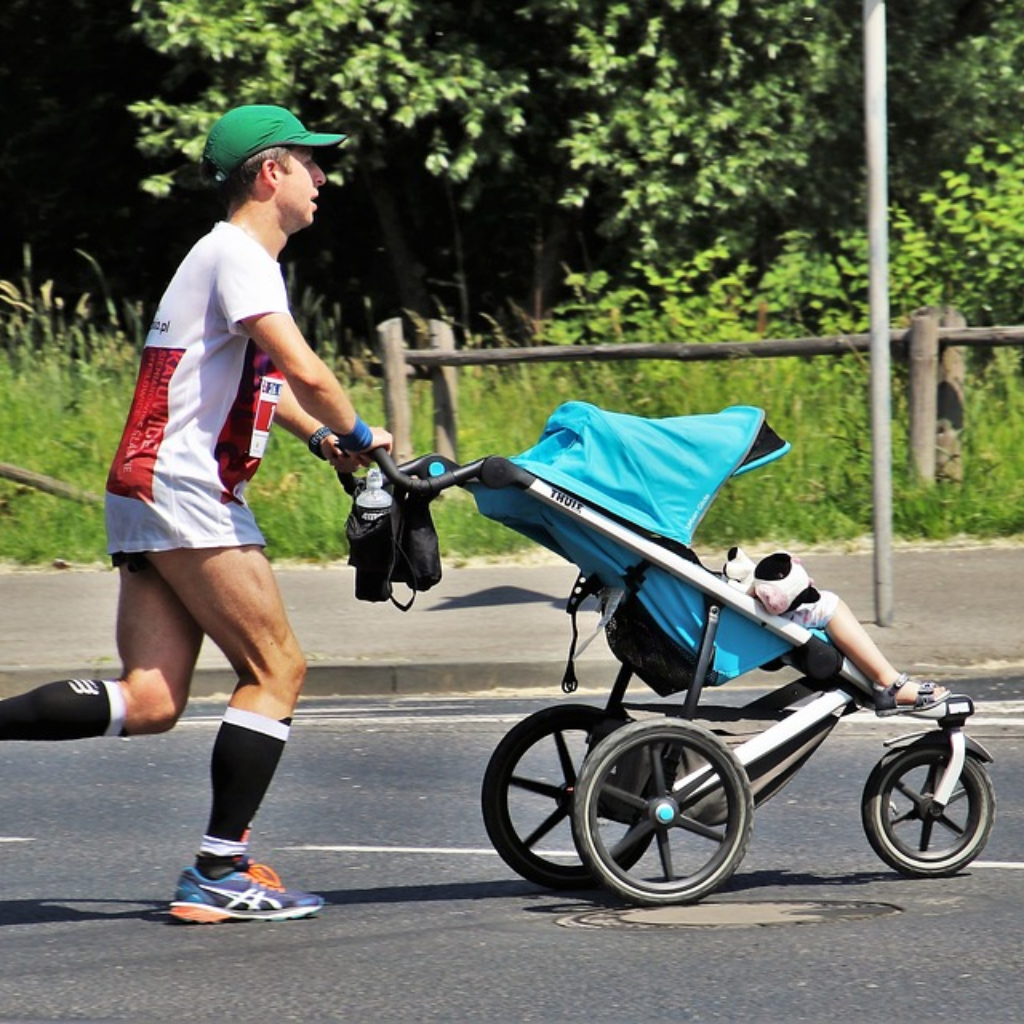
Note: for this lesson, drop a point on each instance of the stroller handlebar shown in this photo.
(429, 475)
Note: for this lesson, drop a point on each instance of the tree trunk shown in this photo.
(548, 257)
(410, 274)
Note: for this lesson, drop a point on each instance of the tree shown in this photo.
(422, 103)
(492, 145)
(69, 166)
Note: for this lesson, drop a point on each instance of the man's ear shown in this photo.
(269, 178)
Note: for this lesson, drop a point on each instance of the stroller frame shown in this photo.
(852, 691)
(628, 780)
(801, 715)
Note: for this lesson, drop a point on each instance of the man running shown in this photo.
(223, 360)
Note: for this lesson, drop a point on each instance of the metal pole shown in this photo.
(878, 297)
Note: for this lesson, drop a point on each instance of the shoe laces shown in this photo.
(266, 876)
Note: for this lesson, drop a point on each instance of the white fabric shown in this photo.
(817, 615)
(257, 723)
(213, 846)
(191, 443)
(118, 708)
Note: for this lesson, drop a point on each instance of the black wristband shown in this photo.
(316, 439)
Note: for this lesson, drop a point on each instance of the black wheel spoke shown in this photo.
(550, 822)
(926, 835)
(698, 828)
(565, 759)
(526, 795)
(657, 766)
(696, 789)
(947, 822)
(537, 786)
(959, 795)
(639, 833)
(911, 814)
(638, 803)
(665, 855)
(905, 826)
(916, 798)
(623, 838)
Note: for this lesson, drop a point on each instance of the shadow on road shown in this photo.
(60, 911)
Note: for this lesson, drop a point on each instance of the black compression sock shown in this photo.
(69, 710)
(245, 757)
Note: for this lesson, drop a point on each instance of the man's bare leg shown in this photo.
(158, 641)
(233, 596)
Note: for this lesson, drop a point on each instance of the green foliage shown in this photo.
(703, 299)
(497, 142)
(63, 419)
(688, 108)
(89, 333)
(491, 143)
(970, 246)
(962, 245)
(73, 363)
(820, 493)
(385, 70)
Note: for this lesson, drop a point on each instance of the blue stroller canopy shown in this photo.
(660, 475)
(657, 476)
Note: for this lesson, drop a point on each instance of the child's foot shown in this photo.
(907, 695)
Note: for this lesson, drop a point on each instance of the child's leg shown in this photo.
(846, 632)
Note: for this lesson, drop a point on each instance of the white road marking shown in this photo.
(456, 850)
(306, 720)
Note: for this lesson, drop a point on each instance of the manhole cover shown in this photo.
(729, 915)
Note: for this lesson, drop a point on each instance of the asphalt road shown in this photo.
(376, 806)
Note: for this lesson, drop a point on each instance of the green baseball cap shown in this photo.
(244, 131)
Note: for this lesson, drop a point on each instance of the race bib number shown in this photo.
(266, 406)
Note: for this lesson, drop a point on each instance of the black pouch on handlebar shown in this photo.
(398, 545)
(418, 559)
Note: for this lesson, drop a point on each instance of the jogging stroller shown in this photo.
(655, 799)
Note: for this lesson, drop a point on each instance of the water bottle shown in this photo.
(373, 511)
(373, 500)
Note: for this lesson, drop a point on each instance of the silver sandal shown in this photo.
(885, 697)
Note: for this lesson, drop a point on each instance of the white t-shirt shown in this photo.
(203, 405)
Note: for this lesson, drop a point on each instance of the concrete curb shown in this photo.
(503, 627)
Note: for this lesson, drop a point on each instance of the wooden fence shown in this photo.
(932, 346)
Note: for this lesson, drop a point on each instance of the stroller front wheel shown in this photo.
(663, 812)
(912, 835)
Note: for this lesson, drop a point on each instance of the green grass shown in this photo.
(62, 416)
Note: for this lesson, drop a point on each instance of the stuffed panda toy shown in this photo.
(779, 581)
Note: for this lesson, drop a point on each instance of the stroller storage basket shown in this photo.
(645, 648)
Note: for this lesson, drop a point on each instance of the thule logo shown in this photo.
(571, 503)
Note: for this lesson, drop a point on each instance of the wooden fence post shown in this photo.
(446, 394)
(396, 389)
(923, 356)
(949, 465)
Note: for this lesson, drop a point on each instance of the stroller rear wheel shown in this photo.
(528, 789)
(907, 831)
(663, 812)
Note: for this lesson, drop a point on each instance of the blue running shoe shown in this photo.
(253, 893)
